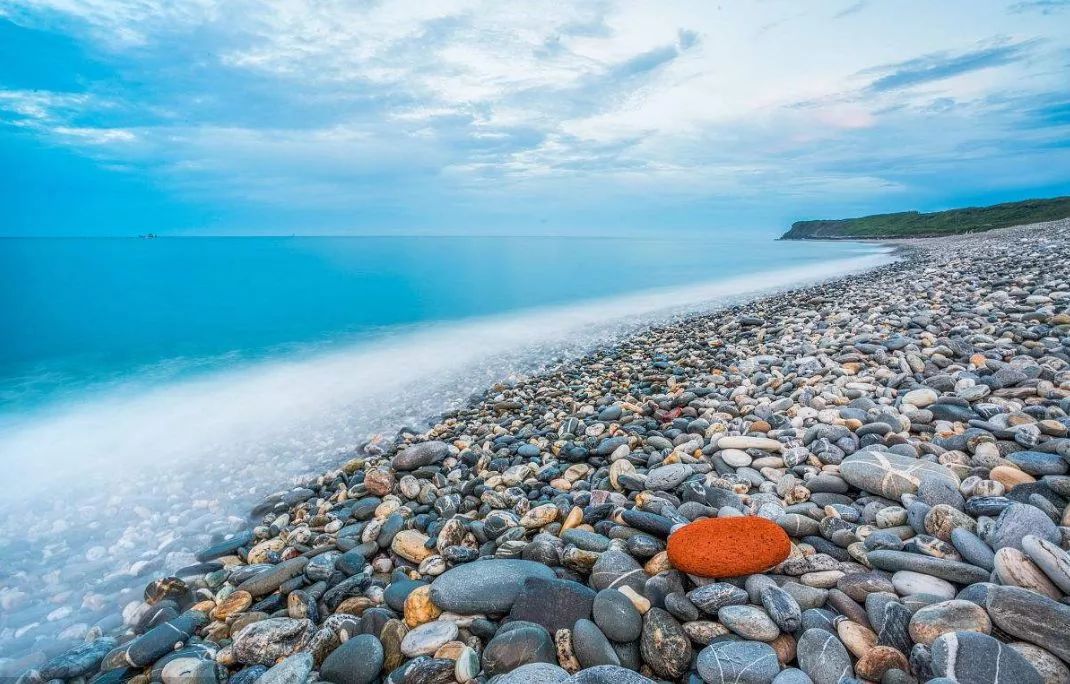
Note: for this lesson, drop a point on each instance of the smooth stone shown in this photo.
(981, 659)
(554, 604)
(952, 571)
(419, 455)
(792, 675)
(938, 619)
(664, 645)
(616, 569)
(1018, 520)
(608, 674)
(738, 662)
(270, 580)
(666, 478)
(907, 582)
(1050, 558)
(823, 657)
(591, 646)
(534, 673)
(428, 638)
(1051, 669)
(616, 616)
(974, 550)
(1031, 617)
(522, 645)
(1013, 568)
(199, 671)
(80, 660)
(750, 622)
(1038, 463)
(891, 475)
(485, 586)
(356, 661)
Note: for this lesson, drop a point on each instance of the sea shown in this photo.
(152, 390)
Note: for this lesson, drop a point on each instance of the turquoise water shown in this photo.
(81, 313)
(151, 391)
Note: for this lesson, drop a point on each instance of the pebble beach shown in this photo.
(862, 480)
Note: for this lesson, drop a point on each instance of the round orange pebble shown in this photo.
(728, 547)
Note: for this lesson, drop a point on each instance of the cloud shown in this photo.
(1041, 6)
(942, 65)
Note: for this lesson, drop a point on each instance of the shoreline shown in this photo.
(517, 436)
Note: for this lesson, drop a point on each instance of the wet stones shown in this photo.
(728, 547)
(267, 641)
(78, 661)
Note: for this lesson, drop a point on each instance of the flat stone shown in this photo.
(952, 571)
(485, 586)
(981, 659)
(608, 674)
(555, 604)
(292, 670)
(666, 478)
(891, 475)
(80, 660)
(1038, 463)
(738, 662)
(710, 598)
(907, 582)
(973, 549)
(428, 638)
(1031, 617)
(270, 580)
(419, 455)
(782, 608)
(1013, 568)
(163, 638)
(1050, 558)
(750, 622)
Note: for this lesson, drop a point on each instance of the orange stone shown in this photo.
(728, 547)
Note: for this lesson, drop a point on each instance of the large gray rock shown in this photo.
(952, 571)
(738, 662)
(1031, 617)
(266, 641)
(891, 475)
(489, 586)
(981, 659)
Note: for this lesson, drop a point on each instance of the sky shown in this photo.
(191, 117)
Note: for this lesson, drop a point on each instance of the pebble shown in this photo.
(823, 658)
(1031, 617)
(728, 547)
(738, 662)
(489, 586)
(972, 657)
(617, 616)
(938, 619)
(750, 622)
(357, 661)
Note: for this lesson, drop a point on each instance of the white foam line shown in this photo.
(327, 401)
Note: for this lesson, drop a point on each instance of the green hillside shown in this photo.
(937, 223)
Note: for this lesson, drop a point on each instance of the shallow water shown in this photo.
(152, 390)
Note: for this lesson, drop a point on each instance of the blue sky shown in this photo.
(455, 116)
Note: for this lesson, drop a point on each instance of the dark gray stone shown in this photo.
(357, 661)
(555, 604)
(616, 616)
(980, 659)
(489, 586)
(1031, 617)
